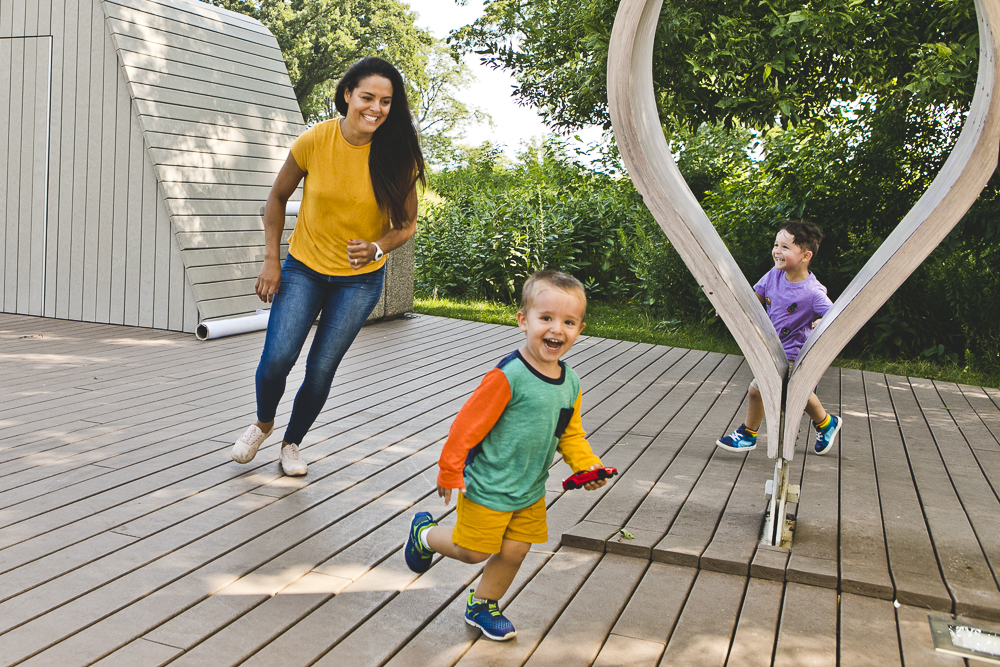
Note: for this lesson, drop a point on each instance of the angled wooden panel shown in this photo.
(217, 223)
(167, 173)
(169, 80)
(158, 35)
(162, 156)
(186, 144)
(229, 80)
(207, 101)
(164, 17)
(132, 47)
(254, 193)
(222, 119)
(211, 131)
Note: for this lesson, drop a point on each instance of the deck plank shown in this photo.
(807, 634)
(814, 560)
(966, 570)
(704, 630)
(757, 628)
(864, 567)
(912, 561)
(867, 627)
(658, 510)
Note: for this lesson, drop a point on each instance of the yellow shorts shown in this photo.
(481, 529)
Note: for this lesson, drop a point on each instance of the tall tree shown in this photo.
(734, 61)
(440, 116)
(320, 39)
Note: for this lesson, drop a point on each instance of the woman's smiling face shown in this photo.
(367, 107)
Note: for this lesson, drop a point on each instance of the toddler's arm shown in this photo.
(573, 444)
(473, 422)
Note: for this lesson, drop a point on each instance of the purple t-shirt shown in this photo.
(792, 307)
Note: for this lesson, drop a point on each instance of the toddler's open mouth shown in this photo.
(552, 344)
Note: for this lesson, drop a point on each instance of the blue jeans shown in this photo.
(345, 303)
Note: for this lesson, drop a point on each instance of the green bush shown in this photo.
(496, 222)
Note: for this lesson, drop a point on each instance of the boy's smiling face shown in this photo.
(789, 257)
(552, 324)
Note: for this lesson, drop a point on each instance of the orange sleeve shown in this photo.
(473, 422)
(573, 444)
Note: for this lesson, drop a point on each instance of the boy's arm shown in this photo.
(573, 444)
(821, 306)
(471, 425)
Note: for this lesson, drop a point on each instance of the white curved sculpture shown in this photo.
(650, 165)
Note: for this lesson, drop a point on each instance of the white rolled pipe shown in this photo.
(232, 326)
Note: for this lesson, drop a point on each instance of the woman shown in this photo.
(359, 203)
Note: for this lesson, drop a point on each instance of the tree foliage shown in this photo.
(320, 39)
(732, 61)
(439, 115)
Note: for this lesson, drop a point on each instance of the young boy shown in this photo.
(795, 301)
(500, 447)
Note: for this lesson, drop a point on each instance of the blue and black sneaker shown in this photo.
(485, 615)
(418, 557)
(827, 434)
(739, 440)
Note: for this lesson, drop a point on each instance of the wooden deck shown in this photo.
(128, 537)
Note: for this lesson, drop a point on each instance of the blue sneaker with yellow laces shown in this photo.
(485, 615)
(418, 557)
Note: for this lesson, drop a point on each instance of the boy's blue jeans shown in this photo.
(345, 303)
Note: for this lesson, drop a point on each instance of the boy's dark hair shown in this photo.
(395, 161)
(806, 234)
(550, 278)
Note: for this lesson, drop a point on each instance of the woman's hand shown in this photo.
(359, 253)
(268, 280)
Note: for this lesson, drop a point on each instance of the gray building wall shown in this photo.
(145, 135)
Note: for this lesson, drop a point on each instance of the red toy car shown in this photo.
(579, 479)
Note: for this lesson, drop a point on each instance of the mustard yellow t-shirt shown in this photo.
(338, 202)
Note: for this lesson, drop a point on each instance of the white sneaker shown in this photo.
(246, 447)
(291, 462)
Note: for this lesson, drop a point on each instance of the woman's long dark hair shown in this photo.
(395, 160)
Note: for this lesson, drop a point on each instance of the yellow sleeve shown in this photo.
(302, 148)
(573, 444)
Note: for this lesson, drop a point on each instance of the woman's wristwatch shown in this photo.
(378, 252)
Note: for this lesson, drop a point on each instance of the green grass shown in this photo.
(624, 321)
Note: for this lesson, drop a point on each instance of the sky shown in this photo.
(492, 91)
